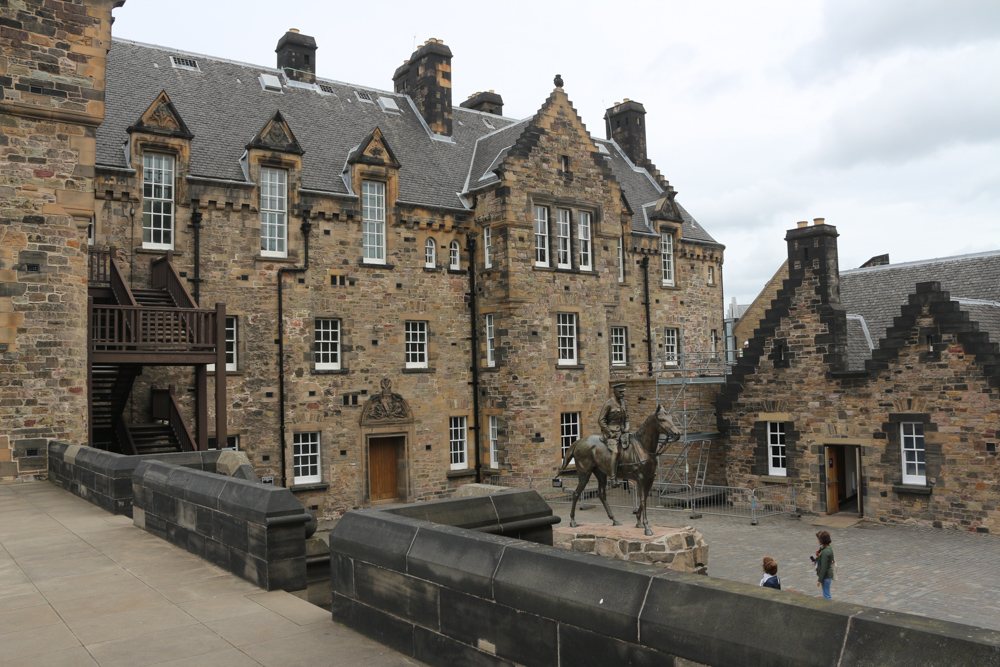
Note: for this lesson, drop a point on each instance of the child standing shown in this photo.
(770, 578)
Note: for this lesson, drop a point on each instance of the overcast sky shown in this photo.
(882, 117)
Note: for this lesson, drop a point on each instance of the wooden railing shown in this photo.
(153, 330)
(105, 272)
(163, 275)
(165, 408)
(124, 436)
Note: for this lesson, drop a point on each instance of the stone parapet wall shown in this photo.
(256, 531)
(105, 478)
(446, 595)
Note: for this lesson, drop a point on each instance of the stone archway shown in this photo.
(386, 433)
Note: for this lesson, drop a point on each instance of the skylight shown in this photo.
(270, 82)
(189, 64)
(388, 104)
(489, 124)
(364, 96)
(326, 88)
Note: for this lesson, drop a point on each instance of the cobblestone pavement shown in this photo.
(943, 574)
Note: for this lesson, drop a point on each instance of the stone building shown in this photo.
(415, 292)
(874, 391)
(52, 64)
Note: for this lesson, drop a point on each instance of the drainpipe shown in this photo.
(196, 217)
(306, 228)
(649, 326)
(470, 247)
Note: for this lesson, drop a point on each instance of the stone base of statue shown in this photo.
(681, 549)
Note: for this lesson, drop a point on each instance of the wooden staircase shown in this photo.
(155, 438)
(154, 298)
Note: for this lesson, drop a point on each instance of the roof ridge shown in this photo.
(918, 262)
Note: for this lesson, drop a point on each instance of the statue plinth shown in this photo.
(681, 549)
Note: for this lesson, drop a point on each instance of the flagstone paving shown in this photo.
(79, 586)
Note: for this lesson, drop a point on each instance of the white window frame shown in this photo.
(327, 344)
(621, 259)
(232, 343)
(569, 431)
(458, 442)
(566, 338)
(158, 201)
(667, 259)
(714, 341)
(416, 344)
(491, 359)
(454, 256)
(777, 453)
(671, 346)
(306, 463)
(583, 227)
(494, 436)
(564, 255)
(487, 245)
(235, 439)
(273, 212)
(430, 254)
(913, 453)
(619, 346)
(541, 236)
(92, 231)
(711, 275)
(373, 222)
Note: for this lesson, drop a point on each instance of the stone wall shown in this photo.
(256, 531)
(446, 595)
(680, 549)
(52, 74)
(105, 478)
(952, 388)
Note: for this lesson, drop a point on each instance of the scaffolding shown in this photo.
(680, 384)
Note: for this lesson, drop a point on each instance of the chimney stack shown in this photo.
(297, 56)
(426, 78)
(488, 102)
(812, 256)
(625, 123)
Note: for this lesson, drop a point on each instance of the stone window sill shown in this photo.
(455, 271)
(276, 260)
(570, 367)
(459, 474)
(912, 489)
(156, 251)
(322, 486)
(774, 479)
(331, 371)
(375, 265)
(419, 370)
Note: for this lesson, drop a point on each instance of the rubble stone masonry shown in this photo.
(52, 64)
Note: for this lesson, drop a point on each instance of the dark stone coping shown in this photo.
(458, 474)
(406, 577)
(256, 531)
(914, 489)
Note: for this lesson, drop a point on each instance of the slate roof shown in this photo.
(225, 106)
(877, 293)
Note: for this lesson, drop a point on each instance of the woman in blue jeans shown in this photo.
(824, 562)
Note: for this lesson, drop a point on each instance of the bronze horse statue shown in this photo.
(638, 463)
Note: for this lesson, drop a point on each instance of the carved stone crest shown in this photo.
(386, 406)
(276, 135)
(163, 117)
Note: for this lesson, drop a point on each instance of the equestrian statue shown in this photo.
(618, 450)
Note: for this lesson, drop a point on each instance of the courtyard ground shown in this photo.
(945, 574)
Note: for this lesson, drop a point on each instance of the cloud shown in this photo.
(917, 106)
(854, 31)
(761, 204)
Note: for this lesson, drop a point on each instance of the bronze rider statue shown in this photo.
(615, 426)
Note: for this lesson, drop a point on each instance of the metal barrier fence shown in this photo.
(742, 502)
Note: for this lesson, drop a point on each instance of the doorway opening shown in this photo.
(843, 480)
(385, 455)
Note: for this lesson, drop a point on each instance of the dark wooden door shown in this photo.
(832, 481)
(382, 458)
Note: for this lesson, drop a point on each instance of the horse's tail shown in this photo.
(568, 456)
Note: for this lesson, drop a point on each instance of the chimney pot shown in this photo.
(819, 221)
(802, 223)
(295, 30)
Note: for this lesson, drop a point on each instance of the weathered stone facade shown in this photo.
(433, 272)
(935, 368)
(52, 70)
